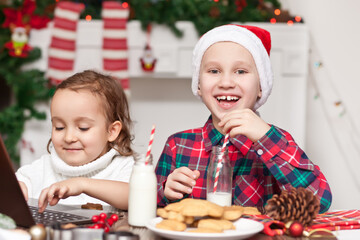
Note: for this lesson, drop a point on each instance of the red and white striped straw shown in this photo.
(150, 145)
(219, 165)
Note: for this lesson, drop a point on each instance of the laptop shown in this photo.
(25, 214)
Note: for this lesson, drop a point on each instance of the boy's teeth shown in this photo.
(228, 98)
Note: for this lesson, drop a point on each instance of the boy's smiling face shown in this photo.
(228, 79)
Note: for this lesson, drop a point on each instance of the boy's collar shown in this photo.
(213, 137)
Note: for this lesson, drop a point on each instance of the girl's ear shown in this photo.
(114, 130)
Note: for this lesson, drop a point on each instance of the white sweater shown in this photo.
(50, 169)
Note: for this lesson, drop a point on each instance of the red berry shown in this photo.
(103, 216)
(114, 217)
(110, 221)
(296, 229)
(101, 222)
(97, 226)
(95, 218)
(106, 229)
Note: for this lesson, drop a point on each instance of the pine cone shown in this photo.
(295, 205)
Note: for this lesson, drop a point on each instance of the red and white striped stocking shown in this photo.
(115, 49)
(63, 41)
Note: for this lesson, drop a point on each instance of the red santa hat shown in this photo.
(256, 40)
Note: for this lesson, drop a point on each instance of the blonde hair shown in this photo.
(113, 99)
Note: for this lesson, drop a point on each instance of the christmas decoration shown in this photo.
(18, 46)
(298, 204)
(204, 14)
(38, 232)
(115, 49)
(27, 13)
(63, 41)
(294, 229)
(20, 21)
(101, 221)
(148, 61)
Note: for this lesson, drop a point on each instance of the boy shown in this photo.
(233, 77)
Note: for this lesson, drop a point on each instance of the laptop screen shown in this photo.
(12, 201)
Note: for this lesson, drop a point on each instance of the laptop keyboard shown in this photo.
(49, 217)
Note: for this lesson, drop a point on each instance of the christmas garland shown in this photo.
(204, 14)
(30, 86)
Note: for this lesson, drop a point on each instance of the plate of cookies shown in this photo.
(201, 219)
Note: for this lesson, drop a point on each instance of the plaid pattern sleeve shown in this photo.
(164, 167)
(290, 166)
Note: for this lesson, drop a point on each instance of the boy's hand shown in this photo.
(180, 182)
(244, 122)
(60, 190)
(24, 190)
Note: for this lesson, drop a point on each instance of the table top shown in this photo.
(146, 234)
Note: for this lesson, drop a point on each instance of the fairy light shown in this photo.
(277, 12)
(88, 18)
(125, 5)
(290, 23)
(297, 18)
(273, 21)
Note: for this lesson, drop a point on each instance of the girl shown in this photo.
(90, 157)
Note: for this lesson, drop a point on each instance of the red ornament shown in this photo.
(296, 229)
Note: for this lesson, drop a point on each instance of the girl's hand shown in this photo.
(180, 182)
(244, 122)
(24, 190)
(60, 190)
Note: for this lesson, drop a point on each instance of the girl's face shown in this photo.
(80, 132)
(228, 79)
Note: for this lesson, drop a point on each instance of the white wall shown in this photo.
(333, 140)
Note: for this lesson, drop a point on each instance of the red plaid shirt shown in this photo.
(260, 169)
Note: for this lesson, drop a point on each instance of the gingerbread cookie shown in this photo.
(172, 225)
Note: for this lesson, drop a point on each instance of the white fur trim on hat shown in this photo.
(244, 37)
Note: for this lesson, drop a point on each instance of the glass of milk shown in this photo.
(142, 193)
(219, 178)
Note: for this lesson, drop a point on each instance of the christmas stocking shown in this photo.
(63, 41)
(115, 49)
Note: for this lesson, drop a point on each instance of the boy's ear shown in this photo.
(260, 92)
(114, 130)
(198, 90)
